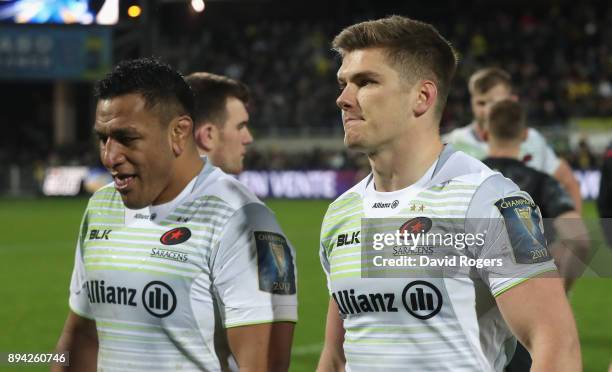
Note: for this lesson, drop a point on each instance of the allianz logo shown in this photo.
(391, 205)
(158, 298)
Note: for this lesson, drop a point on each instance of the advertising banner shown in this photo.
(51, 53)
(314, 184)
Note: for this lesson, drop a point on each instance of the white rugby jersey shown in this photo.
(535, 152)
(429, 323)
(163, 282)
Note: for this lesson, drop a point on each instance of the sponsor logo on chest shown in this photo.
(157, 297)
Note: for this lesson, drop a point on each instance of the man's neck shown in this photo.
(193, 166)
(404, 163)
(504, 150)
(478, 131)
(189, 167)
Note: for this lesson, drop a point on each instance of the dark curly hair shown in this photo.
(159, 84)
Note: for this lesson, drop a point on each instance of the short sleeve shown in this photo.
(514, 236)
(79, 301)
(254, 270)
(325, 265)
(550, 162)
(545, 159)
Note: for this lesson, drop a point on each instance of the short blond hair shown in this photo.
(485, 79)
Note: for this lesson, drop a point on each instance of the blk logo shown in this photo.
(99, 234)
(159, 299)
(422, 299)
(175, 236)
(344, 239)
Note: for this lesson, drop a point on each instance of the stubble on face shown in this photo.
(482, 102)
(135, 149)
(233, 138)
(374, 99)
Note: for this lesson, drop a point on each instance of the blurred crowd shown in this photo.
(582, 158)
(277, 159)
(560, 57)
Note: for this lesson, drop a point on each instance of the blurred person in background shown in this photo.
(394, 81)
(174, 250)
(505, 130)
(604, 199)
(584, 158)
(487, 86)
(221, 119)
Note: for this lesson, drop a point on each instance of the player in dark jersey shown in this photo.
(604, 200)
(505, 129)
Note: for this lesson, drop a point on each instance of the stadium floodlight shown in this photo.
(197, 5)
(109, 13)
(134, 11)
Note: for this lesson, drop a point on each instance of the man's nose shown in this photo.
(346, 99)
(248, 137)
(111, 153)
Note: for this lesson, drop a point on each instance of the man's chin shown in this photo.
(234, 168)
(354, 145)
(130, 203)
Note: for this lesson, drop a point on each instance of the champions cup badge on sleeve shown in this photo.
(524, 215)
(274, 263)
(278, 253)
(525, 229)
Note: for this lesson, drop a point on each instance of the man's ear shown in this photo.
(181, 132)
(425, 98)
(206, 136)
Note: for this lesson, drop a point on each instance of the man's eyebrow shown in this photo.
(360, 76)
(118, 132)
